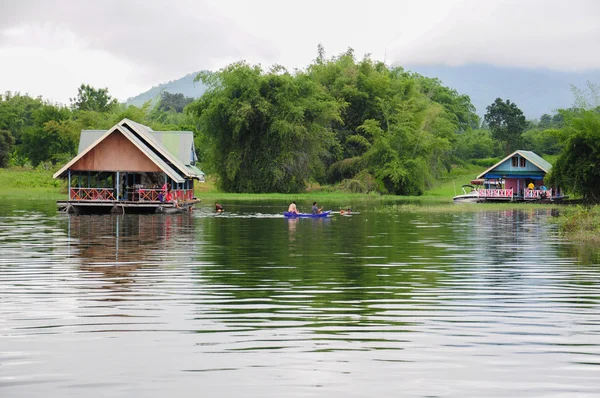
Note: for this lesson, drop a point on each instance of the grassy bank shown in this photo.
(580, 223)
(30, 184)
(431, 206)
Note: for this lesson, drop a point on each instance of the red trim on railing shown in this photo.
(91, 194)
(495, 193)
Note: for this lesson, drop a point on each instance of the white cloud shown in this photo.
(49, 48)
(531, 34)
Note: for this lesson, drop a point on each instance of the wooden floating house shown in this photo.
(131, 168)
(510, 179)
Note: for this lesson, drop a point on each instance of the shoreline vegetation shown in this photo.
(580, 223)
(577, 223)
(28, 183)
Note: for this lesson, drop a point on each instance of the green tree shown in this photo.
(507, 123)
(92, 99)
(53, 137)
(175, 102)
(397, 128)
(16, 113)
(577, 169)
(267, 131)
(477, 144)
(6, 143)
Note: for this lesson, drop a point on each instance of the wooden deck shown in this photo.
(124, 206)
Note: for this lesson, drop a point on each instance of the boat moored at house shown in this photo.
(131, 168)
(517, 177)
(467, 197)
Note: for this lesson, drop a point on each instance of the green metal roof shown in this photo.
(179, 143)
(536, 159)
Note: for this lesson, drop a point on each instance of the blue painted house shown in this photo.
(519, 176)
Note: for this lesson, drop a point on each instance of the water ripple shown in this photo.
(483, 304)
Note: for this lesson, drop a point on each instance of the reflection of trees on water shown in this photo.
(321, 263)
(115, 246)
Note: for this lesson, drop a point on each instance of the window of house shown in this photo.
(522, 162)
(515, 161)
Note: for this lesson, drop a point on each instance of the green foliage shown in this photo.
(16, 113)
(396, 126)
(36, 132)
(6, 143)
(92, 99)
(19, 177)
(174, 102)
(551, 122)
(268, 131)
(507, 123)
(53, 136)
(580, 224)
(458, 105)
(550, 141)
(477, 144)
(577, 169)
(487, 162)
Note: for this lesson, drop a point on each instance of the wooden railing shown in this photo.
(158, 195)
(91, 194)
(141, 194)
(495, 193)
(538, 193)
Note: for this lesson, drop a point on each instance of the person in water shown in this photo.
(219, 208)
(292, 208)
(315, 208)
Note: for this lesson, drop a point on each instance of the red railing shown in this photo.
(495, 193)
(158, 195)
(141, 194)
(91, 194)
(538, 193)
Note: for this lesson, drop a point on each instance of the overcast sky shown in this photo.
(49, 48)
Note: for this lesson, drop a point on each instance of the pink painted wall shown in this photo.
(511, 183)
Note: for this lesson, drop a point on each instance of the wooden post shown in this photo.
(69, 187)
(117, 198)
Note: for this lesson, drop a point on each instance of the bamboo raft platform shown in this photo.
(124, 206)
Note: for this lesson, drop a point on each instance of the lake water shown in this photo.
(249, 304)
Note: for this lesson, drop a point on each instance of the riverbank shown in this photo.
(580, 223)
(36, 184)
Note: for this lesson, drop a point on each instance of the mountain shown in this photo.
(184, 85)
(535, 91)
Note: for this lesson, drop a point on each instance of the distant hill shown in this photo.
(184, 85)
(535, 91)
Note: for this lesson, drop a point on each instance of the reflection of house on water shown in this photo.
(117, 245)
(509, 235)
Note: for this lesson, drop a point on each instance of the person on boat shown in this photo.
(292, 208)
(315, 208)
(218, 208)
